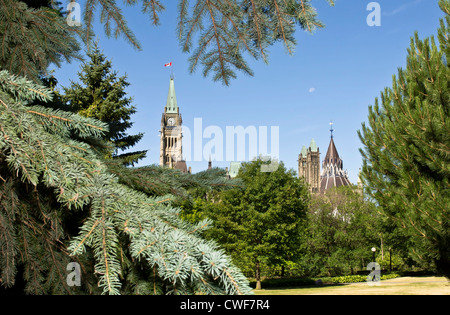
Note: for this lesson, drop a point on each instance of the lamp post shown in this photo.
(373, 253)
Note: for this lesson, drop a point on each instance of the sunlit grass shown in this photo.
(398, 286)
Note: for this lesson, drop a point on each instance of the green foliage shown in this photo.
(101, 95)
(390, 260)
(159, 181)
(59, 203)
(342, 227)
(225, 30)
(300, 282)
(407, 148)
(359, 278)
(37, 34)
(261, 222)
(229, 29)
(34, 38)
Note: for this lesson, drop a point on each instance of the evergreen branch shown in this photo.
(280, 24)
(183, 6)
(35, 38)
(39, 142)
(155, 6)
(65, 119)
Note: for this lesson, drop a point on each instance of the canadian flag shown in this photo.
(168, 64)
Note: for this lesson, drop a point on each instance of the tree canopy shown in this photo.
(261, 221)
(407, 147)
(51, 182)
(101, 94)
(219, 35)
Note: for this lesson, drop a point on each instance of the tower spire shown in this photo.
(333, 174)
(171, 105)
(331, 129)
(171, 150)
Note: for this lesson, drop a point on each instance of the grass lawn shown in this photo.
(397, 286)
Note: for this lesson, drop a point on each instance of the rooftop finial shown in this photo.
(331, 130)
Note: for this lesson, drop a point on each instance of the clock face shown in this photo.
(171, 121)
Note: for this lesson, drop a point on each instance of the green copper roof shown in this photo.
(304, 152)
(171, 105)
(313, 146)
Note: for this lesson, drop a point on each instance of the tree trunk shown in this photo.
(257, 276)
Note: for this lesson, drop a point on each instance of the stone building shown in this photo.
(332, 173)
(309, 166)
(171, 148)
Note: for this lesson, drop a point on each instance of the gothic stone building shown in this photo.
(309, 166)
(332, 175)
(171, 149)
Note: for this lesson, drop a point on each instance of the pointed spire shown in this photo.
(171, 105)
(304, 152)
(313, 145)
(332, 156)
(333, 174)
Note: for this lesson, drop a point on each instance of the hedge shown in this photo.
(299, 282)
(358, 278)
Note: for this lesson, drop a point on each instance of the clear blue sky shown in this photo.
(335, 74)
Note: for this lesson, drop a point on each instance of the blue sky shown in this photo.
(334, 74)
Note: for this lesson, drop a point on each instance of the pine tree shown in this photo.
(127, 241)
(101, 95)
(407, 148)
(60, 201)
(227, 30)
(34, 37)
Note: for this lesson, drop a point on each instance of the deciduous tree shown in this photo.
(261, 222)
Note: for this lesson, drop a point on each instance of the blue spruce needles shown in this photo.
(59, 203)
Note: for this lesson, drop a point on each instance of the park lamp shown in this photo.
(373, 251)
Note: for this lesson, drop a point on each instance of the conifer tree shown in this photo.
(34, 37)
(126, 241)
(227, 30)
(60, 201)
(101, 95)
(407, 148)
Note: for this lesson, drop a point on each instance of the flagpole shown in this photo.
(170, 64)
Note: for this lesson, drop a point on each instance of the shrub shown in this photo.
(358, 278)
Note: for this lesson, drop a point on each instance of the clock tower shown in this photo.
(171, 137)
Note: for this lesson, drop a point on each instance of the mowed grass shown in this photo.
(397, 286)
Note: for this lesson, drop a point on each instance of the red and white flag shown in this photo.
(168, 64)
